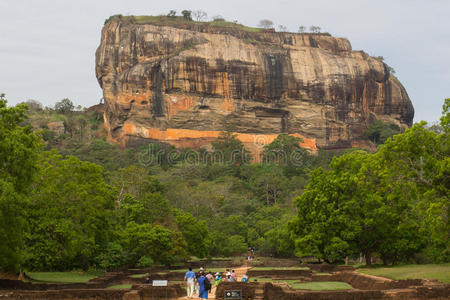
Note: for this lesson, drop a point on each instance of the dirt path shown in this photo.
(239, 272)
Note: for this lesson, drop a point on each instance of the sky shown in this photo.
(47, 47)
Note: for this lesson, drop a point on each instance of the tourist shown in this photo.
(197, 276)
(234, 275)
(202, 286)
(147, 280)
(218, 278)
(244, 278)
(210, 278)
(190, 278)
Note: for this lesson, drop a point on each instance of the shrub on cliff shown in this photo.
(187, 14)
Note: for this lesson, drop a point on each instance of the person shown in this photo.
(147, 280)
(244, 278)
(202, 292)
(197, 276)
(190, 278)
(218, 278)
(210, 278)
(234, 275)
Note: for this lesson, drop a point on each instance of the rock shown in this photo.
(184, 85)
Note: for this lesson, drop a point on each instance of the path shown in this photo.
(239, 272)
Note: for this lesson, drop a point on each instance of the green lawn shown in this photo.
(440, 272)
(322, 286)
(278, 268)
(120, 286)
(63, 277)
(138, 275)
(315, 286)
(321, 273)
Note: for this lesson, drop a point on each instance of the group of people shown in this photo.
(201, 281)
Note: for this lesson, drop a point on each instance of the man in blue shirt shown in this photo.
(190, 278)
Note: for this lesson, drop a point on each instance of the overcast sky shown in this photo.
(47, 47)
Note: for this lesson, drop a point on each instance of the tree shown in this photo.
(352, 208)
(278, 242)
(148, 243)
(285, 150)
(269, 183)
(314, 29)
(230, 150)
(418, 172)
(265, 23)
(64, 106)
(445, 119)
(199, 15)
(151, 208)
(195, 233)
(69, 215)
(378, 132)
(19, 148)
(187, 14)
(135, 181)
(282, 28)
(34, 105)
(301, 29)
(172, 13)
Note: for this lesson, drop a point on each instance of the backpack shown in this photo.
(207, 284)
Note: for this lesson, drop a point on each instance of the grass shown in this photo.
(315, 286)
(440, 272)
(278, 268)
(138, 275)
(322, 286)
(63, 277)
(120, 286)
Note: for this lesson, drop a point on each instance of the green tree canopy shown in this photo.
(378, 132)
(19, 148)
(70, 213)
(64, 106)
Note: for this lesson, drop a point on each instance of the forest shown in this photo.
(71, 200)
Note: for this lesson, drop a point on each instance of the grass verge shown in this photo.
(138, 275)
(63, 277)
(322, 286)
(440, 272)
(120, 286)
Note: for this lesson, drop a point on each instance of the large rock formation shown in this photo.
(184, 84)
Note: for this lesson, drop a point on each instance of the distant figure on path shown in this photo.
(218, 278)
(197, 276)
(234, 275)
(190, 278)
(203, 292)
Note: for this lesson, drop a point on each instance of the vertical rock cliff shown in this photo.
(185, 84)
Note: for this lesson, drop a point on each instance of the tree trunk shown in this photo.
(368, 258)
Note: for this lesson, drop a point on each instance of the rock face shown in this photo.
(185, 84)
